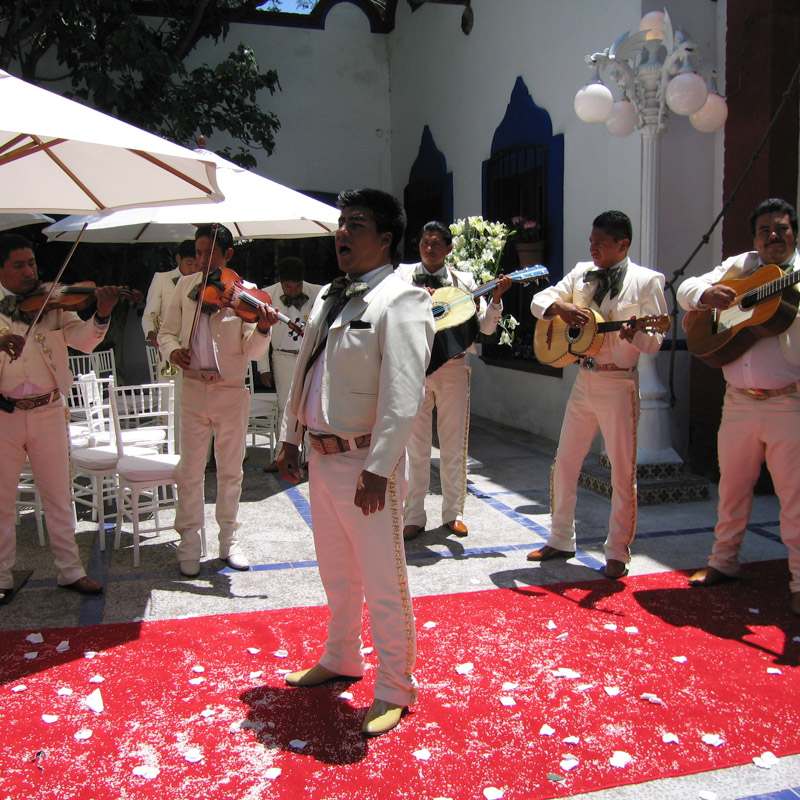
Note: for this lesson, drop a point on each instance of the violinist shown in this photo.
(213, 349)
(34, 377)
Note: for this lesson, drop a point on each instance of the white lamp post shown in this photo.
(654, 68)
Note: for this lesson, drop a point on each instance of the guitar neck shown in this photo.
(761, 293)
(607, 327)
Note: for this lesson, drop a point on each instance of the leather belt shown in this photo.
(591, 364)
(763, 394)
(205, 375)
(327, 443)
(27, 403)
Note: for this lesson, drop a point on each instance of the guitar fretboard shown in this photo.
(761, 293)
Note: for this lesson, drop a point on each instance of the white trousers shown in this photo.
(282, 374)
(363, 557)
(607, 402)
(41, 434)
(224, 408)
(751, 432)
(447, 390)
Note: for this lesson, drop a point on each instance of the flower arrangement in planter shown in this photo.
(526, 230)
(477, 248)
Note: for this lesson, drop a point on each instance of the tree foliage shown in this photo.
(131, 60)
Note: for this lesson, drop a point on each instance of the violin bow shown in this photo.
(55, 283)
(203, 285)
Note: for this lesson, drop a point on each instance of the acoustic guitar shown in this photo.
(456, 319)
(765, 305)
(556, 344)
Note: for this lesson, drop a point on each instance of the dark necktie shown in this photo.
(609, 281)
(428, 281)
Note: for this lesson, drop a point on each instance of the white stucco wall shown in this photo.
(460, 85)
(334, 105)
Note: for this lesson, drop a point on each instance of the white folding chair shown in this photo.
(263, 419)
(144, 478)
(94, 468)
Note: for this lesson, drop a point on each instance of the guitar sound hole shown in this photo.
(749, 300)
(573, 334)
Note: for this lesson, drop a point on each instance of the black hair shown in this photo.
(291, 268)
(773, 205)
(434, 226)
(224, 238)
(186, 249)
(616, 224)
(387, 212)
(9, 242)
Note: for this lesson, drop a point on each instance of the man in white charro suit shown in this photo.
(162, 287)
(446, 390)
(605, 395)
(357, 392)
(213, 398)
(34, 378)
(761, 412)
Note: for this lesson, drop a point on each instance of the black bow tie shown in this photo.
(9, 306)
(609, 281)
(294, 302)
(429, 281)
(341, 290)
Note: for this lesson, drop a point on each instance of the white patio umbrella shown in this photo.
(58, 156)
(10, 221)
(254, 208)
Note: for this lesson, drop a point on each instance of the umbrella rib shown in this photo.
(25, 150)
(13, 142)
(45, 147)
(167, 168)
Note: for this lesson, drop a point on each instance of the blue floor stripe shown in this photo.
(781, 794)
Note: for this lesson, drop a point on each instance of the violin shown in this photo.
(75, 297)
(225, 288)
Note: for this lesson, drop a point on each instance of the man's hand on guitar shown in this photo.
(718, 296)
(628, 330)
(504, 283)
(574, 316)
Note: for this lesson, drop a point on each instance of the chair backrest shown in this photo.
(148, 408)
(81, 363)
(248, 381)
(104, 364)
(152, 362)
(95, 396)
(75, 398)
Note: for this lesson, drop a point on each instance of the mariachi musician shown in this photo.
(446, 389)
(34, 378)
(761, 412)
(213, 348)
(605, 395)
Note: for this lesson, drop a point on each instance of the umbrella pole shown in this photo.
(55, 283)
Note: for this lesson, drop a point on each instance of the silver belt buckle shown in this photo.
(588, 363)
(25, 405)
(758, 394)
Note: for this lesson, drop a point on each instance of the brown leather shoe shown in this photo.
(412, 531)
(84, 585)
(315, 676)
(547, 553)
(795, 604)
(458, 527)
(615, 569)
(710, 576)
(381, 718)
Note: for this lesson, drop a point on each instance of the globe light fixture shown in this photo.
(686, 93)
(622, 120)
(711, 116)
(653, 24)
(594, 102)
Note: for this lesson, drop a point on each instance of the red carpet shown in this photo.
(740, 681)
